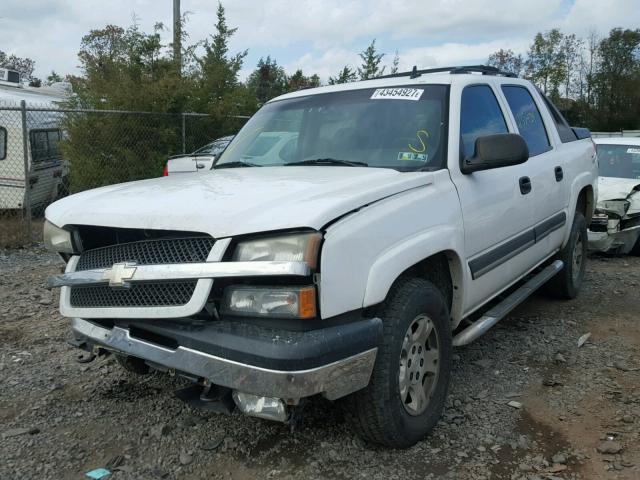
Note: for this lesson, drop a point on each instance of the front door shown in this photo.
(497, 204)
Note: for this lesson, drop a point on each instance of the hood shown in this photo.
(611, 188)
(237, 201)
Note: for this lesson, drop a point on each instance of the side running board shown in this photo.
(497, 313)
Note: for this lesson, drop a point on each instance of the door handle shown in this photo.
(559, 173)
(525, 185)
(199, 166)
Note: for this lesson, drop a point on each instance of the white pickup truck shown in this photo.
(348, 265)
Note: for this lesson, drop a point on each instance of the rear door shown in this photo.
(497, 209)
(546, 162)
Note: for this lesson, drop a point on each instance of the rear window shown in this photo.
(45, 144)
(620, 161)
(528, 119)
(3, 143)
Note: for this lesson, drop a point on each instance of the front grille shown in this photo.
(148, 252)
(165, 294)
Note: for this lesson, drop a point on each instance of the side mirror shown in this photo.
(493, 151)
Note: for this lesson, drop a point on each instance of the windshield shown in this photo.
(399, 128)
(621, 161)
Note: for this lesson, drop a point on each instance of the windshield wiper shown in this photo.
(328, 161)
(234, 165)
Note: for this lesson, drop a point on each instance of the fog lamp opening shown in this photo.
(269, 408)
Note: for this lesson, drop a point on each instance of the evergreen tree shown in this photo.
(346, 75)
(395, 63)
(298, 81)
(371, 60)
(268, 80)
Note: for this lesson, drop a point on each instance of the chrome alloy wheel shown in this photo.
(419, 367)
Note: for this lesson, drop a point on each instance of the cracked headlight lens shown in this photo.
(298, 247)
(57, 239)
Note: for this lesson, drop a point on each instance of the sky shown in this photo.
(317, 36)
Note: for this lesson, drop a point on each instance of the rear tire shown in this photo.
(566, 284)
(410, 379)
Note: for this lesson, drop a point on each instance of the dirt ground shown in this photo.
(526, 402)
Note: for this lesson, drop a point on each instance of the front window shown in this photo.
(480, 115)
(620, 161)
(401, 128)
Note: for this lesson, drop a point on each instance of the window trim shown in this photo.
(535, 103)
(557, 118)
(49, 157)
(505, 118)
(6, 135)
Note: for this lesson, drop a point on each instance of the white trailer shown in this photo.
(43, 171)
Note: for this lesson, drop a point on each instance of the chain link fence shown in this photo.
(47, 153)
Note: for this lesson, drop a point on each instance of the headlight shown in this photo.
(616, 207)
(275, 302)
(56, 239)
(298, 247)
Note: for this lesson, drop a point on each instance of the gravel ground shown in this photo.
(526, 402)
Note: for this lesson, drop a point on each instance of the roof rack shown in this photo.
(483, 69)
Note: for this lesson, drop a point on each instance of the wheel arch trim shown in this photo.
(402, 256)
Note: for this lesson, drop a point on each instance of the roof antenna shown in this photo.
(414, 72)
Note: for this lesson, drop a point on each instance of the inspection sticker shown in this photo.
(397, 94)
(633, 150)
(412, 157)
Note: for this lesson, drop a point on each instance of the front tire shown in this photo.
(566, 284)
(409, 383)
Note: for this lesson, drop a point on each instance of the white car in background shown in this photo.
(615, 227)
(200, 160)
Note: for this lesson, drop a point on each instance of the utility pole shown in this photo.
(177, 35)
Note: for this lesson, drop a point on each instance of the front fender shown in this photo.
(410, 251)
(364, 252)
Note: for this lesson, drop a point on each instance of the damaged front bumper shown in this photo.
(333, 361)
(609, 233)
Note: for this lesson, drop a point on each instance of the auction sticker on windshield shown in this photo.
(633, 150)
(397, 94)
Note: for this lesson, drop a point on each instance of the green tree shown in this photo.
(545, 65)
(617, 81)
(371, 60)
(346, 75)
(218, 90)
(507, 61)
(298, 81)
(395, 63)
(53, 77)
(127, 69)
(268, 80)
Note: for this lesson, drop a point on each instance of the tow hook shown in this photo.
(85, 357)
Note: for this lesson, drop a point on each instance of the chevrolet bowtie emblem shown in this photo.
(119, 273)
